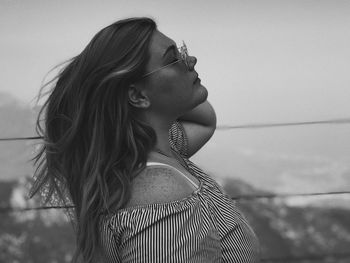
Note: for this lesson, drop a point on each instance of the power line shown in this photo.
(7, 209)
(264, 125)
(229, 127)
(272, 196)
(20, 138)
(309, 257)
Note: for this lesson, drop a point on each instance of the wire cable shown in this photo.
(272, 196)
(7, 209)
(229, 127)
(264, 125)
(309, 257)
(20, 138)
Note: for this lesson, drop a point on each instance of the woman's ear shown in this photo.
(137, 97)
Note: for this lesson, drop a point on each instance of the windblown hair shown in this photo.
(93, 142)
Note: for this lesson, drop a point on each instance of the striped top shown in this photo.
(205, 226)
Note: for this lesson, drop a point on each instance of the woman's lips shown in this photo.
(197, 80)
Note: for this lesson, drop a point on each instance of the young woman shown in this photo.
(121, 123)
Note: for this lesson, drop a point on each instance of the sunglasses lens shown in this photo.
(184, 53)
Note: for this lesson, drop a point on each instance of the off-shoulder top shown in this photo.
(205, 226)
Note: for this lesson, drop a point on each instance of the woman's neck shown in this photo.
(161, 127)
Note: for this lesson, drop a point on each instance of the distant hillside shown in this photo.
(283, 231)
(6, 189)
(32, 236)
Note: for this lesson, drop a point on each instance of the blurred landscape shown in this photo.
(284, 231)
(286, 227)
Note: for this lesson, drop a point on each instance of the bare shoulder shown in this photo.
(158, 184)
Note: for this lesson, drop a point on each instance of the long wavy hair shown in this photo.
(94, 144)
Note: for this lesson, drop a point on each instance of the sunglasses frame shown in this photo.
(184, 55)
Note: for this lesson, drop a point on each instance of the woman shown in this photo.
(122, 121)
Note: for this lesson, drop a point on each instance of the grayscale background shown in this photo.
(262, 62)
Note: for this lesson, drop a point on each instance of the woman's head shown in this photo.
(168, 88)
(94, 142)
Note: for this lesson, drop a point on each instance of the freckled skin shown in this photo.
(158, 185)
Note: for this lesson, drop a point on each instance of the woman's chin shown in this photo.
(203, 92)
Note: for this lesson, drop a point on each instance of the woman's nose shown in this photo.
(192, 62)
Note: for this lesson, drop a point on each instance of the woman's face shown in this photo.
(171, 90)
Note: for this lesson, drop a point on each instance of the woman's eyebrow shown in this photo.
(171, 47)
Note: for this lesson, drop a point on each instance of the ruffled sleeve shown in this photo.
(178, 138)
(160, 233)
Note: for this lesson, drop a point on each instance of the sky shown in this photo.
(261, 61)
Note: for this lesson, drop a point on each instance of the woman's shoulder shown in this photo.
(158, 185)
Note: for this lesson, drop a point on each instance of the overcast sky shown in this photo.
(261, 61)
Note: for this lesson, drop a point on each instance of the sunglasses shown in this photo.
(184, 55)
